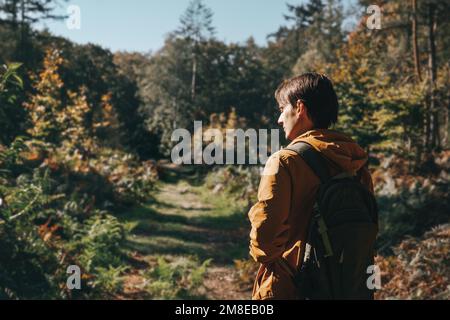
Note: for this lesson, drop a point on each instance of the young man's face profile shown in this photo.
(294, 120)
(288, 120)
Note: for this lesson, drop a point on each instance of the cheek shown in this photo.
(288, 118)
(293, 116)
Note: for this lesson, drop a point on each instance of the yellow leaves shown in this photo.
(52, 163)
(52, 119)
(48, 231)
(106, 121)
(32, 156)
(106, 99)
(52, 58)
(223, 121)
(232, 119)
(46, 103)
(86, 276)
(82, 167)
(49, 78)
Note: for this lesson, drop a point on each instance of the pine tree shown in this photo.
(21, 15)
(196, 27)
(21, 12)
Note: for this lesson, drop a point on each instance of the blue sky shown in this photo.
(141, 25)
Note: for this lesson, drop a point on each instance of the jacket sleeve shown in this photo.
(269, 216)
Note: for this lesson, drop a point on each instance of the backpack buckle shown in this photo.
(322, 228)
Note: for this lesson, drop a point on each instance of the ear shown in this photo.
(300, 107)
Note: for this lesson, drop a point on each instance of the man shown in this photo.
(286, 195)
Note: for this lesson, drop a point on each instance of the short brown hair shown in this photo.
(317, 93)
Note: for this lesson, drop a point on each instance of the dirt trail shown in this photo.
(182, 222)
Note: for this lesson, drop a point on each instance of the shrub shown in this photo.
(410, 203)
(240, 183)
(99, 242)
(179, 279)
(419, 269)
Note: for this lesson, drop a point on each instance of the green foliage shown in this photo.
(196, 22)
(9, 76)
(108, 280)
(10, 114)
(111, 96)
(33, 268)
(42, 233)
(227, 77)
(319, 27)
(100, 242)
(180, 279)
(53, 189)
(239, 183)
(10, 156)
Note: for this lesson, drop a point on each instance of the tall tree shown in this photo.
(22, 14)
(433, 134)
(415, 41)
(196, 27)
(165, 91)
(313, 38)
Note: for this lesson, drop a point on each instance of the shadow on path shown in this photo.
(180, 222)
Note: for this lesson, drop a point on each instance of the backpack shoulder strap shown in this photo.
(313, 159)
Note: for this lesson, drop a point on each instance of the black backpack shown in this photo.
(341, 235)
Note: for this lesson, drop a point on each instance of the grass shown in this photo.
(185, 219)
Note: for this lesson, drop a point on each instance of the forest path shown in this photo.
(186, 220)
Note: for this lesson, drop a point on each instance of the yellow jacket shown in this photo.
(286, 197)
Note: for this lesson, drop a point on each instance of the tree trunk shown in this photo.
(22, 28)
(415, 45)
(22, 15)
(194, 70)
(420, 146)
(194, 76)
(434, 138)
(445, 137)
(14, 12)
(426, 130)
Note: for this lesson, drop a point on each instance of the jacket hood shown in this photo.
(336, 147)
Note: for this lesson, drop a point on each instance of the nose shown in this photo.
(280, 120)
